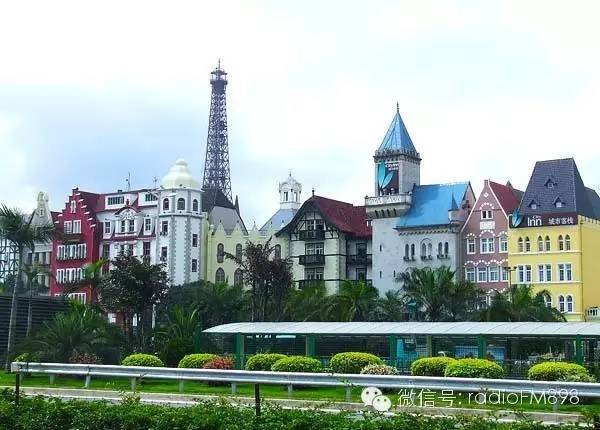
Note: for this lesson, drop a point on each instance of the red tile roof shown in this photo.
(344, 216)
(506, 196)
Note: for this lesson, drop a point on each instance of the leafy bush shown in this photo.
(196, 361)
(297, 363)
(85, 358)
(263, 361)
(143, 360)
(474, 368)
(222, 363)
(559, 371)
(352, 362)
(379, 369)
(174, 349)
(26, 357)
(430, 366)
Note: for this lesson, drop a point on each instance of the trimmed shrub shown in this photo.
(263, 361)
(85, 358)
(474, 368)
(196, 361)
(559, 371)
(430, 366)
(352, 362)
(143, 360)
(379, 369)
(297, 363)
(222, 363)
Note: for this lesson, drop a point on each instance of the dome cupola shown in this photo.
(179, 176)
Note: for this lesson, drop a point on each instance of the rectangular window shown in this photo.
(524, 274)
(146, 249)
(164, 228)
(487, 245)
(194, 265)
(565, 272)
(106, 227)
(117, 200)
(505, 274)
(494, 274)
(68, 227)
(315, 273)
(78, 297)
(503, 243)
(147, 224)
(471, 245)
(123, 226)
(486, 214)
(482, 274)
(470, 274)
(129, 249)
(544, 273)
(163, 253)
(194, 240)
(131, 226)
(106, 251)
(315, 248)
(149, 197)
(73, 206)
(77, 226)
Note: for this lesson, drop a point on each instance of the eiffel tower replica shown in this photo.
(216, 165)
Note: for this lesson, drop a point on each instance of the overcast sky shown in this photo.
(89, 93)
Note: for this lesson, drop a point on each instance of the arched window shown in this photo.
(278, 252)
(412, 251)
(165, 204)
(180, 204)
(406, 251)
(446, 249)
(561, 244)
(238, 278)
(540, 244)
(520, 242)
(567, 243)
(220, 276)
(527, 244)
(238, 252)
(220, 252)
(569, 303)
(561, 303)
(423, 250)
(547, 243)
(440, 249)
(195, 205)
(548, 300)
(429, 249)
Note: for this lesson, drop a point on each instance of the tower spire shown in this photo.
(216, 164)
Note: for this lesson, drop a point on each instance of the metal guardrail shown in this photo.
(583, 389)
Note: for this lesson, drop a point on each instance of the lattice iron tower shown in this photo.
(216, 164)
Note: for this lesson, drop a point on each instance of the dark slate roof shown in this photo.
(344, 216)
(557, 179)
(507, 196)
(212, 197)
(279, 219)
(431, 203)
(594, 200)
(397, 139)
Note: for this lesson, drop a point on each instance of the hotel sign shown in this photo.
(518, 220)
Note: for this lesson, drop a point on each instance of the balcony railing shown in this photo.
(592, 314)
(311, 259)
(305, 283)
(359, 259)
(70, 237)
(312, 234)
(392, 199)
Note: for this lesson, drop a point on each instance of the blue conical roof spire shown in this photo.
(397, 138)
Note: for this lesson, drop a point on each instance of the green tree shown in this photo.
(355, 301)
(32, 272)
(16, 227)
(175, 334)
(391, 307)
(519, 303)
(133, 287)
(307, 304)
(91, 277)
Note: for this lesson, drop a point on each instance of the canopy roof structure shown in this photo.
(522, 329)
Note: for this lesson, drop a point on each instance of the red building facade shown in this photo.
(76, 246)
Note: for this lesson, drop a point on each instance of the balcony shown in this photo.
(392, 205)
(592, 314)
(359, 259)
(305, 283)
(70, 237)
(311, 235)
(309, 259)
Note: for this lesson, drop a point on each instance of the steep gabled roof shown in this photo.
(212, 197)
(397, 139)
(344, 216)
(506, 196)
(279, 220)
(431, 203)
(552, 179)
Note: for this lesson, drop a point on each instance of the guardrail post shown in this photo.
(481, 346)
(310, 345)
(578, 350)
(52, 378)
(17, 387)
(233, 388)
(239, 351)
(290, 390)
(133, 383)
(181, 385)
(88, 381)
(348, 393)
(257, 399)
(393, 346)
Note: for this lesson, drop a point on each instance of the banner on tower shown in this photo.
(388, 179)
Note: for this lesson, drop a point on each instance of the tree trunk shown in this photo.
(12, 325)
(29, 310)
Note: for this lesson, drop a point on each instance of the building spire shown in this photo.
(397, 107)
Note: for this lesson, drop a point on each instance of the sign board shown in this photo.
(388, 179)
(518, 220)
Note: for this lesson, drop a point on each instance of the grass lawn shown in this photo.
(460, 400)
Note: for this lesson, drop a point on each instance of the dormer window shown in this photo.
(533, 205)
(550, 183)
(558, 203)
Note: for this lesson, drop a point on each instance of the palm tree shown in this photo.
(221, 303)
(31, 272)
(519, 303)
(307, 304)
(16, 227)
(429, 288)
(391, 307)
(91, 277)
(175, 336)
(355, 301)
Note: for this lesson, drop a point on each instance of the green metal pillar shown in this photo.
(429, 345)
(239, 351)
(393, 345)
(578, 350)
(481, 346)
(310, 345)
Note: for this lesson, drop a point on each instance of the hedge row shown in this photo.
(37, 413)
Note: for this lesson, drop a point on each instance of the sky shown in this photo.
(90, 91)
